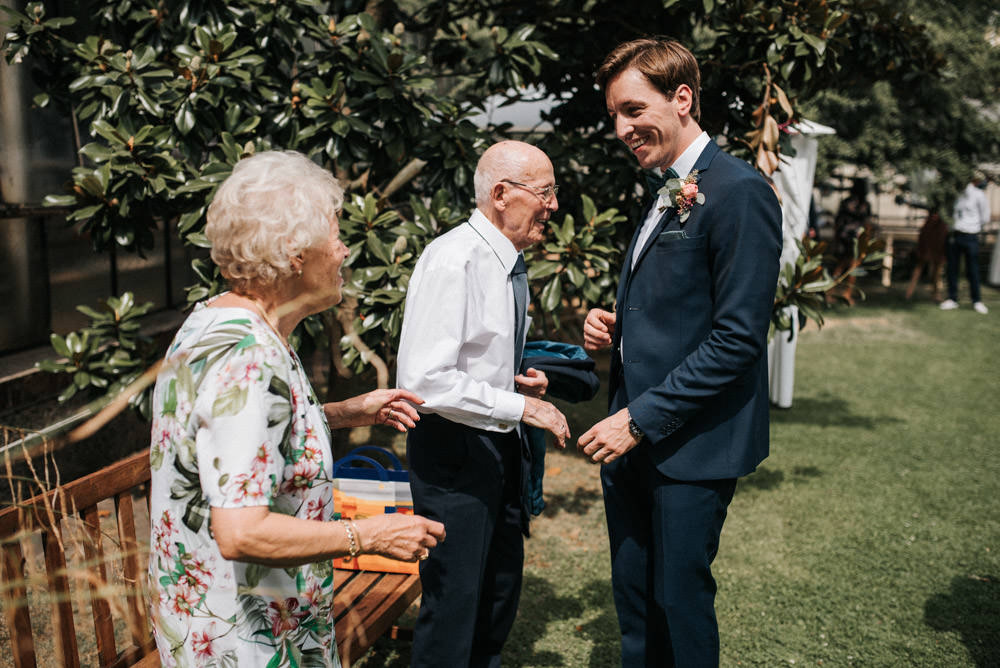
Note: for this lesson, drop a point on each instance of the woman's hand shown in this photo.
(254, 534)
(393, 408)
(398, 536)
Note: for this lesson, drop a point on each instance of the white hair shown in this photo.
(272, 207)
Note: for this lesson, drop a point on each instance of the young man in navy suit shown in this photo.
(688, 390)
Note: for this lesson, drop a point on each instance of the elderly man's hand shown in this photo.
(608, 440)
(538, 413)
(533, 383)
(597, 329)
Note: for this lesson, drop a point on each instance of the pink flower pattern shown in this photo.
(164, 533)
(284, 616)
(201, 642)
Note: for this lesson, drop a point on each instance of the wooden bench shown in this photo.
(92, 555)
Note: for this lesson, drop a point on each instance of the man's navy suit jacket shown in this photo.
(694, 315)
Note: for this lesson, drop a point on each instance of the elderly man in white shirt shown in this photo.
(972, 211)
(462, 339)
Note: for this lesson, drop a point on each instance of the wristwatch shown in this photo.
(633, 429)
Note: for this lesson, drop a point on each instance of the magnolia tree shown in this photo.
(169, 96)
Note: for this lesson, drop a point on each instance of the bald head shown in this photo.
(510, 160)
(516, 191)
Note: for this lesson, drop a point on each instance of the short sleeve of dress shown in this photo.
(244, 414)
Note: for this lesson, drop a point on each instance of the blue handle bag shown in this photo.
(364, 480)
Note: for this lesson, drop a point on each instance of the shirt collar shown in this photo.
(494, 238)
(685, 163)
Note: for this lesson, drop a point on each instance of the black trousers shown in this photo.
(470, 480)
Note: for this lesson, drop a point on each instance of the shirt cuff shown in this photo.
(509, 409)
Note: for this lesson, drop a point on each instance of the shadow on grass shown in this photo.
(765, 479)
(541, 605)
(578, 502)
(827, 412)
(971, 609)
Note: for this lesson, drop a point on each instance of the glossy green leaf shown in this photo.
(184, 119)
(551, 297)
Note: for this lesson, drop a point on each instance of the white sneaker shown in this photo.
(950, 305)
(980, 308)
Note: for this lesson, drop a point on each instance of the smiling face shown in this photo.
(321, 281)
(656, 129)
(521, 210)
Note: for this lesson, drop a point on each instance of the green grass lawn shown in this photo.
(869, 537)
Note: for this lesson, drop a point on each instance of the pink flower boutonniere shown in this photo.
(683, 194)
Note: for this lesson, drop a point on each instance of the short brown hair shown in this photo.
(666, 63)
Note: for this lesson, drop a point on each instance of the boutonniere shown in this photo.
(683, 194)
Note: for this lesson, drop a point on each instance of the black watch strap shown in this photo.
(633, 429)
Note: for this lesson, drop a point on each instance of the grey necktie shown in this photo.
(519, 283)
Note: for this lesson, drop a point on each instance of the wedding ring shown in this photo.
(424, 556)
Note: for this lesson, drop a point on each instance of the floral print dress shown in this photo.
(236, 424)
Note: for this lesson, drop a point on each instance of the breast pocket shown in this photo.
(669, 246)
(681, 261)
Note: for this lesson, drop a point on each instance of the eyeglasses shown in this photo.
(545, 192)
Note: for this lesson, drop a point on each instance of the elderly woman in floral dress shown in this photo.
(241, 489)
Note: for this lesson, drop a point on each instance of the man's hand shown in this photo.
(609, 439)
(597, 329)
(533, 383)
(538, 413)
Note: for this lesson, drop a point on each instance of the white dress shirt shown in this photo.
(683, 166)
(972, 210)
(456, 349)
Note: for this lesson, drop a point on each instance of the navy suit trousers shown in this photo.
(470, 480)
(664, 535)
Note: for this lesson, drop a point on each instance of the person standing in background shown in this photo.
(853, 216)
(972, 211)
(929, 253)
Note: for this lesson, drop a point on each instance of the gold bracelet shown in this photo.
(357, 536)
(353, 548)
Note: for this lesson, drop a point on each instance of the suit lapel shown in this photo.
(701, 165)
(705, 159)
(665, 219)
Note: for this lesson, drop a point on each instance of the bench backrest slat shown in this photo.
(138, 624)
(63, 630)
(93, 551)
(15, 605)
